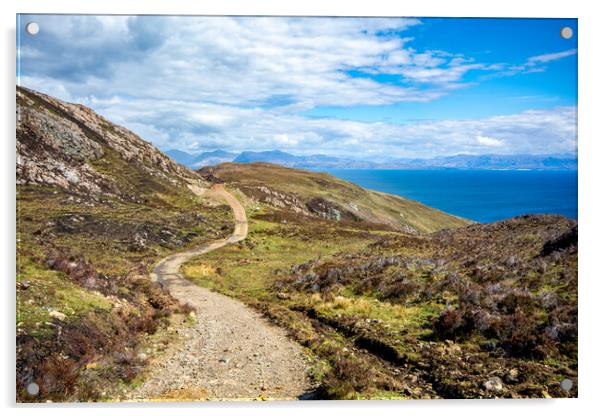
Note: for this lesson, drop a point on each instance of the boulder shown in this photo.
(494, 385)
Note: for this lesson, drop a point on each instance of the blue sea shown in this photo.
(479, 195)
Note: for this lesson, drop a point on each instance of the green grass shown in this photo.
(47, 291)
(409, 317)
(102, 238)
(107, 229)
(247, 268)
(337, 317)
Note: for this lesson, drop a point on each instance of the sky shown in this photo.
(373, 88)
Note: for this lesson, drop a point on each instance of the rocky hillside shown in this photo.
(493, 306)
(96, 207)
(314, 194)
(483, 311)
(67, 145)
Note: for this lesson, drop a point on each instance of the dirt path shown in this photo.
(231, 352)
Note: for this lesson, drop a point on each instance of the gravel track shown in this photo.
(231, 352)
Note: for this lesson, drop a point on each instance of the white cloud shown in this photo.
(551, 56)
(532, 64)
(240, 83)
(239, 61)
(212, 119)
(284, 139)
(489, 141)
(532, 132)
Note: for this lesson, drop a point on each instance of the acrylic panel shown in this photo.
(282, 208)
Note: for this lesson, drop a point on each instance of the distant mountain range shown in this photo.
(308, 162)
(540, 162)
(204, 159)
(491, 162)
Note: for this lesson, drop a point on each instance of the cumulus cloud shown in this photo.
(302, 62)
(533, 131)
(240, 83)
(285, 139)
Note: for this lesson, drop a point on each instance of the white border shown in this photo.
(590, 211)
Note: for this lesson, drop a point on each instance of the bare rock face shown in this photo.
(54, 151)
(56, 141)
(329, 210)
(280, 199)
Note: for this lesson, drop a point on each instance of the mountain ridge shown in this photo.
(195, 161)
(559, 161)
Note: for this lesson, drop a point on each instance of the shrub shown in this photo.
(450, 323)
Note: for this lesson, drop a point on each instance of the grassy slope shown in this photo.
(378, 330)
(87, 257)
(101, 237)
(372, 207)
(277, 240)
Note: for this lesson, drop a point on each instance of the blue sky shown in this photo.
(376, 88)
(486, 40)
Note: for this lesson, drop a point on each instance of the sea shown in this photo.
(479, 195)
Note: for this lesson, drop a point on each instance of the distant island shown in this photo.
(320, 161)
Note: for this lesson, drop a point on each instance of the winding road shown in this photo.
(230, 352)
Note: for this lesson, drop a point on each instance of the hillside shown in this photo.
(387, 297)
(494, 305)
(323, 195)
(484, 311)
(59, 142)
(96, 207)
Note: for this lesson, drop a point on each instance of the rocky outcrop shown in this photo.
(278, 199)
(565, 241)
(56, 141)
(52, 150)
(329, 210)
